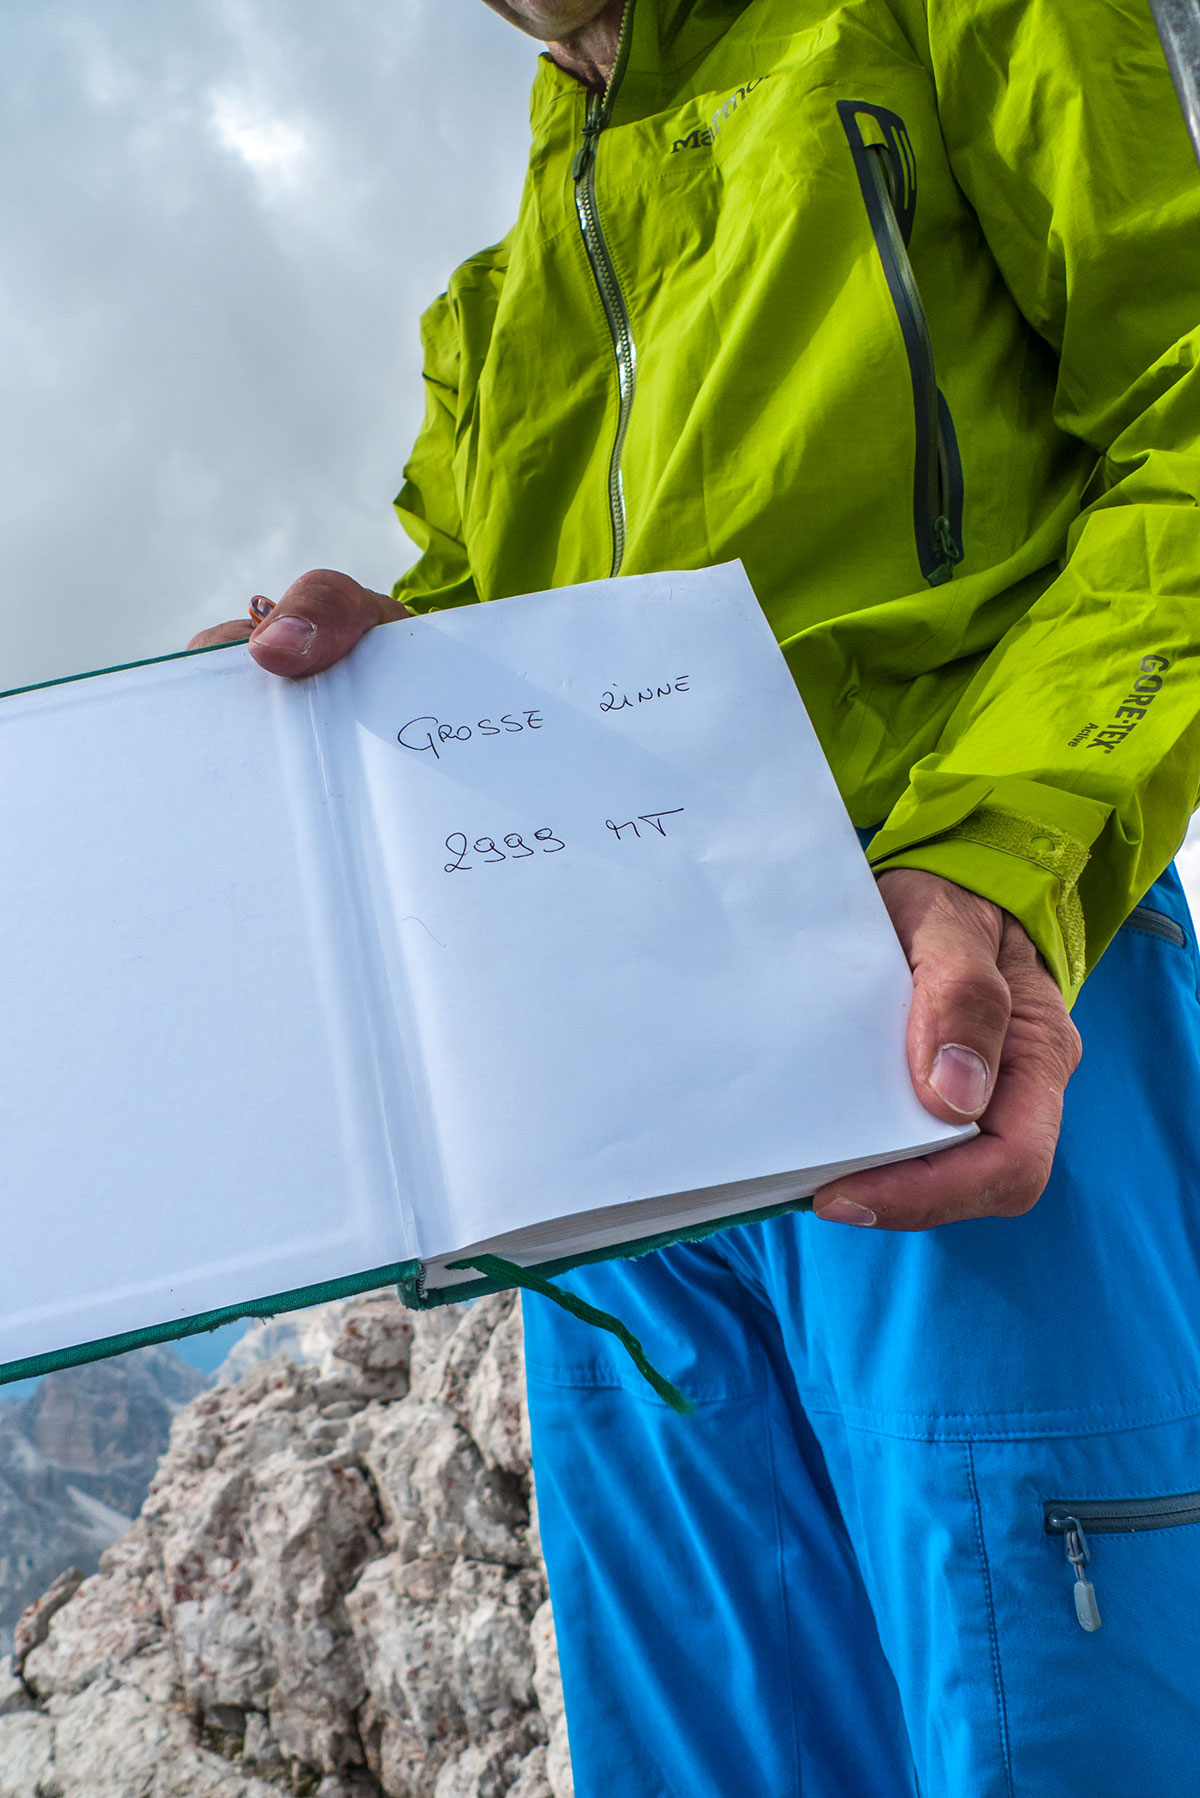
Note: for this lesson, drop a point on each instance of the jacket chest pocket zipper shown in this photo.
(886, 168)
(1076, 1520)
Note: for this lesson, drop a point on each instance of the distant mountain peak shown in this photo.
(76, 1460)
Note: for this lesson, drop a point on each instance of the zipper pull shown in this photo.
(947, 542)
(951, 550)
(585, 154)
(1079, 1554)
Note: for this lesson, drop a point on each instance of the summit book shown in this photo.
(533, 931)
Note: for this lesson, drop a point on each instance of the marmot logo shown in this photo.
(703, 136)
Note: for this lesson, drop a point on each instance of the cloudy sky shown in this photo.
(221, 221)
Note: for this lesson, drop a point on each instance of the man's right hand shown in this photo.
(319, 620)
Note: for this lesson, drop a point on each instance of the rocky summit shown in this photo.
(76, 1461)
(333, 1588)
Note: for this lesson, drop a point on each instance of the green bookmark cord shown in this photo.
(511, 1275)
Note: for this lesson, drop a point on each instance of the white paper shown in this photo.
(681, 974)
(189, 1111)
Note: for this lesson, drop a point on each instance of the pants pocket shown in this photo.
(1093, 1556)
(964, 1545)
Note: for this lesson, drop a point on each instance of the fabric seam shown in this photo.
(580, 1381)
(993, 1636)
(1101, 1498)
(782, 1584)
(1100, 1424)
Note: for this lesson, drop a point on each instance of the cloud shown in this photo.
(221, 223)
(271, 148)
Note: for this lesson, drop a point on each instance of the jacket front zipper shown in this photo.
(599, 112)
(1075, 1520)
(887, 177)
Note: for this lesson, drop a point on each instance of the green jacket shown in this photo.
(898, 301)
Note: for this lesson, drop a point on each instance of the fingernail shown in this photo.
(845, 1211)
(295, 635)
(960, 1079)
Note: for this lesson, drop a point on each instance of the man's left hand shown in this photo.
(989, 1041)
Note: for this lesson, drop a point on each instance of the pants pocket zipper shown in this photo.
(1073, 1518)
(1156, 923)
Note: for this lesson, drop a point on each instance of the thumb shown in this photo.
(961, 1002)
(319, 620)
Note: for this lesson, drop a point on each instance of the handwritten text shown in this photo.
(423, 734)
(485, 847)
(615, 700)
(653, 819)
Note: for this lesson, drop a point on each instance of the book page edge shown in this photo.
(299, 1298)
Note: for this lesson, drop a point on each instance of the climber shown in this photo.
(897, 301)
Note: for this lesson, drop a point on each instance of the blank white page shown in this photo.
(680, 974)
(190, 1095)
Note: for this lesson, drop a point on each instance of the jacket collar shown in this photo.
(668, 40)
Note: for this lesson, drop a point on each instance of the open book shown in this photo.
(535, 929)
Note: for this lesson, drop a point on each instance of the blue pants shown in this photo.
(836, 1579)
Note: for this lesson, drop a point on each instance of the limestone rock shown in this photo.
(14, 1693)
(494, 1411)
(334, 1588)
(532, 1782)
(112, 1742)
(33, 1625)
(112, 1622)
(305, 1338)
(437, 1492)
(26, 1756)
(374, 1334)
(488, 1769)
(76, 1459)
(547, 1682)
(449, 1663)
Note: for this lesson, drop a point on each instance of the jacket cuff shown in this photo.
(1015, 842)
